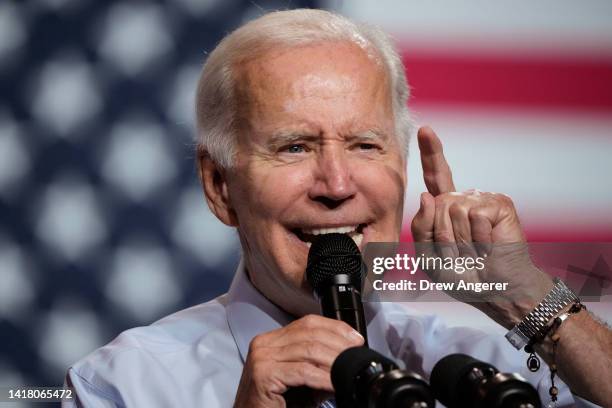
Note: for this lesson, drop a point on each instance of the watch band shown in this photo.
(536, 321)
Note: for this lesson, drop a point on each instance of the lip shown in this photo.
(363, 226)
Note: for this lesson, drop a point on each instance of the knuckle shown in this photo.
(478, 217)
(477, 212)
(309, 321)
(457, 209)
(257, 343)
(256, 355)
(504, 199)
(505, 204)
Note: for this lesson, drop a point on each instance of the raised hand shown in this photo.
(473, 223)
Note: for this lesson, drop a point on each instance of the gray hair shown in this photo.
(215, 101)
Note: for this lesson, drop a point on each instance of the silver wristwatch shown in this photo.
(534, 323)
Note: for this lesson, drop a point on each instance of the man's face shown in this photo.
(317, 152)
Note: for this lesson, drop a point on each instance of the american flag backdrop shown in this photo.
(103, 225)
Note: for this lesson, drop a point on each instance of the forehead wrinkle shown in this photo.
(267, 73)
(333, 84)
(263, 88)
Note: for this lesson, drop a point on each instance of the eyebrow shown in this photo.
(286, 137)
(371, 134)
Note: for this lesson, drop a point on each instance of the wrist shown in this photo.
(510, 309)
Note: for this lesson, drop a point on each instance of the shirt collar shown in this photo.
(249, 313)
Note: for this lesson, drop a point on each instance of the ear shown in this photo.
(214, 183)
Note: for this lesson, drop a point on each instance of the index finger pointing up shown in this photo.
(436, 172)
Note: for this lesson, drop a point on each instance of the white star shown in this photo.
(68, 333)
(134, 36)
(138, 160)
(66, 94)
(142, 282)
(70, 220)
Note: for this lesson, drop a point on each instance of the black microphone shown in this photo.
(334, 271)
(459, 380)
(364, 378)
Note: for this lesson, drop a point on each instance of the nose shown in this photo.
(334, 182)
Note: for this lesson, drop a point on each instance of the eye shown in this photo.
(295, 148)
(367, 146)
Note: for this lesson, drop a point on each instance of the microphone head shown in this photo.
(330, 255)
(448, 373)
(353, 362)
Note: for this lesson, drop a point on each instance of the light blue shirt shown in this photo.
(194, 358)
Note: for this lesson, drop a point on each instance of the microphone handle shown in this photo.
(343, 302)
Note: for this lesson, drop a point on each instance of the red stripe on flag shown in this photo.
(528, 82)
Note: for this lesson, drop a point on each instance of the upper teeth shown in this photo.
(340, 230)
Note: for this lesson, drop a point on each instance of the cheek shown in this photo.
(294, 179)
(385, 184)
(270, 192)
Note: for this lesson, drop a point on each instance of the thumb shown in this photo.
(423, 222)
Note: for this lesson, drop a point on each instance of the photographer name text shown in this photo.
(424, 284)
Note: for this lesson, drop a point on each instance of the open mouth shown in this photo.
(308, 235)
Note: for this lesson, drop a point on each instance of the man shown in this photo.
(304, 131)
